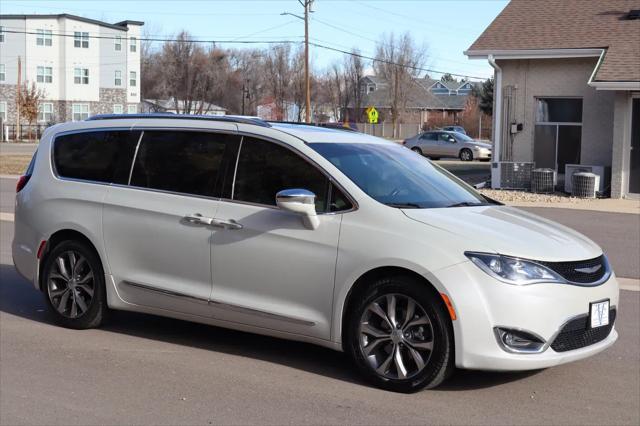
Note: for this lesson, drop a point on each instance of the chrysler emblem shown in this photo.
(590, 270)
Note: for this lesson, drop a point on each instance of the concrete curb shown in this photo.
(9, 176)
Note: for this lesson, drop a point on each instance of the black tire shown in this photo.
(95, 301)
(417, 149)
(440, 363)
(434, 158)
(466, 154)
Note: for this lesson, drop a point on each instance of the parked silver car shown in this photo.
(438, 143)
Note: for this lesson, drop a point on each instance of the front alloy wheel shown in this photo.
(399, 335)
(396, 336)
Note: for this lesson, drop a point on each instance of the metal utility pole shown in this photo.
(307, 115)
(307, 82)
(245, 93)
(18, 96)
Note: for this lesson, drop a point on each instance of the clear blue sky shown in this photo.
(446, 28)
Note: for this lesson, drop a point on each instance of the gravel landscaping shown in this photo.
(507, 196)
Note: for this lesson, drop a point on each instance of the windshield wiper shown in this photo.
(403, 205)
(468, 204)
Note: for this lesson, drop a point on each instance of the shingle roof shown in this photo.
(571, 24)
(419, 96)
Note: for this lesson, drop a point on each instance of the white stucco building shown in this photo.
(85, 67)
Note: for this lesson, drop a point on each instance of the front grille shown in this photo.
(567, 270)
(577, 334)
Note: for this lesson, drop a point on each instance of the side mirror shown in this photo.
(302, 202)
(452, 140)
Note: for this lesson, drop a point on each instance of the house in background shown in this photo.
(567, 87)
(268, 110)
(178, 107)
(92, 68)
(429, 102)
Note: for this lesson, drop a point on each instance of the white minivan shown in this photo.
(305, 233)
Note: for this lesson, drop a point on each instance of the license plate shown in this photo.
(599, 314)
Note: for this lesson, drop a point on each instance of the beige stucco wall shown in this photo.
(561, 78)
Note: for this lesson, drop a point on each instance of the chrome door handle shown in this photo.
(227, 224)
(198, 219)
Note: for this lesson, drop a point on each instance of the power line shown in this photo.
(284, 41)
(395, 63)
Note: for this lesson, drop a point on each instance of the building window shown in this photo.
(557, 137)
(118, 43)
(132, 79)
(81, 39)
(117, 109)
(80, 112)
(81, 75)
(1, 35)
(117, 81)
(132, 109)
(45, 112)
(133, 46)
(44, 38)
(44, 75)
(3, 111)
(3, 74)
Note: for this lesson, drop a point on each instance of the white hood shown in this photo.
(509, 231)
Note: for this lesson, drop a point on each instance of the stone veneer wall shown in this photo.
(8, 94)
(62, 110)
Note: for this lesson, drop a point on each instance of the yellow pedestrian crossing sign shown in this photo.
(372, 114)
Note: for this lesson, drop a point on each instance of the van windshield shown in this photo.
(396, 176)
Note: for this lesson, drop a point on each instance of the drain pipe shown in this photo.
(497, 125)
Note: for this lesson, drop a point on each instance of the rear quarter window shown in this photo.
(100, 156)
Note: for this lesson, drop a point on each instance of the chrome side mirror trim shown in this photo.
(302, 202)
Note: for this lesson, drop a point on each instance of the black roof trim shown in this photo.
(76, 18)
(128, 22)
(171, 116)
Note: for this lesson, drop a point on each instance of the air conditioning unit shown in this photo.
(571, 169)
(515, 175)
(584, 184)
(543, 181)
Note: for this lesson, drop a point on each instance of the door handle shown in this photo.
(226, 224)
(198, 219)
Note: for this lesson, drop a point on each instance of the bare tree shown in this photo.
(278, 75)
(29, 97)
(398, 60)
(354, 71)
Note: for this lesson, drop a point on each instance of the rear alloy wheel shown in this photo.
(399, 335)
(74, 285)
(466, 155)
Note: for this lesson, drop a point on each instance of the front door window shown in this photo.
(558, 132)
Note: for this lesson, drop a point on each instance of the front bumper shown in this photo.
(482, 154)
(483, 303)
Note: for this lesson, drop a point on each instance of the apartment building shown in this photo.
(84, 67)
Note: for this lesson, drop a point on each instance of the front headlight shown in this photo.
(513, 270)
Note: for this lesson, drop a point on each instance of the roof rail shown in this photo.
(169, 115)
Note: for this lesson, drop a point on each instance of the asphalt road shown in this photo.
(141, 369)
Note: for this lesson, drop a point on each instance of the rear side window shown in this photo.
(429, 136)
(184, 162)
(265, 168)
(100, 156)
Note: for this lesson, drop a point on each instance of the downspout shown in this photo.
(497, 125)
